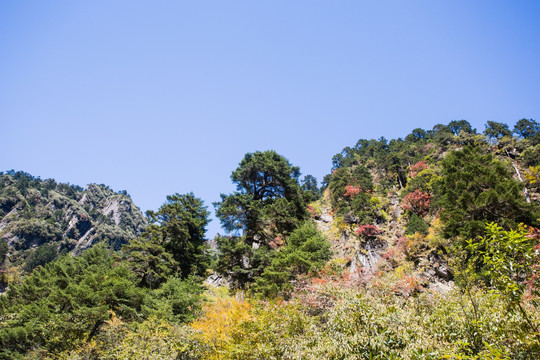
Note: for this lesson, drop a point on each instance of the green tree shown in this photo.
(310, 190)
(67, 301)
(456, 126)
(234, 260)
(442, 135)
(307, 250)
(508, 261)
(526, 128)
(476, 188)
(148, 259)
(3, 251)
(417, 135)
(267, 205)
(268, 200)
(496, 130)
(40, 256)
(416, 225)
(177, 300)
(179, 226)
(350, 190)
(531, 155)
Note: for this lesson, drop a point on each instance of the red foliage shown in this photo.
(389, 254)
(403, 243)
(416, 168)
(352, 191)
(534, 233)
(417, 202)
(318, 292)
(367, 230)
(277, 242)
(407, 286)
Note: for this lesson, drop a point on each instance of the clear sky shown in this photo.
(158, 97)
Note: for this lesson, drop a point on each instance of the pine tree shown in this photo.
(476, 188)
(267, 205)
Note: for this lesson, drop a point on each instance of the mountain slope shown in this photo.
(402, 204)
(36, 213)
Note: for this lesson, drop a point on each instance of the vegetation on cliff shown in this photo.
(425, 247)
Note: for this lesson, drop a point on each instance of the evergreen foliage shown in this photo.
(310, 191)
(179, 226)
(457, 126)
(496, 130)
(350, 189)
(40, 256)
(416, 225)
(527, 128)
(37, 212)
(67, 301)
(268, 195)
(381, 296)
(268, 205)
(235, 259)
(306, 251)
(3, 251)
(149, 261)
(476, 188)
(176, 301)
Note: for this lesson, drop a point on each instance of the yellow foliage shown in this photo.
(435, 236)
(153, 339)
(375, 202)
(340, 227)
(218, 327)
(416, 245)
(316, 208)
(532, 175)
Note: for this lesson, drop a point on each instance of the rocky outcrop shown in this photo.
(364, 256)
(34, 212)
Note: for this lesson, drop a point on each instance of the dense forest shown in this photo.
(426, 247)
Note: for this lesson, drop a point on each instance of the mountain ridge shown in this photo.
(35, 212)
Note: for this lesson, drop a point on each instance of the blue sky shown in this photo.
(167, 96)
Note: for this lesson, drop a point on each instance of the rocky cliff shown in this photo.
(35, 213)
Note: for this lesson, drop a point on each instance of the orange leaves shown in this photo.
(416, 202)
(407, 285)
(276, 243)
(352, 191)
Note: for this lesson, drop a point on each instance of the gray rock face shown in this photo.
(217, 280)
(34, 212)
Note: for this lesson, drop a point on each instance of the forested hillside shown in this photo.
(425, 247)
(41, 219)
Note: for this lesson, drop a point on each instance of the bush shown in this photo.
(416, 225)
(40, 256)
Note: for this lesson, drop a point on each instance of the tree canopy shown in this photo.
(476, 188)
(174, 242)
(267, 206)
(268, 201)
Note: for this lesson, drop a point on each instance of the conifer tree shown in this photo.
(173, 244)
(268, 205)
(476, 188)
(268, 200)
